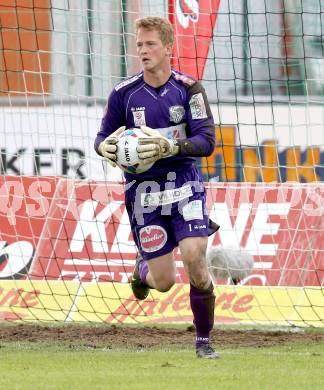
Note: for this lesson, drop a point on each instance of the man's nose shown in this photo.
(143, 49)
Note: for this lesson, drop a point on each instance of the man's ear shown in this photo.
(169, 49)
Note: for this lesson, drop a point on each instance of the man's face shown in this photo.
(151, 51)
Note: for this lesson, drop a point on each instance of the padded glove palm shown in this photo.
(155, 146)
(108, 147)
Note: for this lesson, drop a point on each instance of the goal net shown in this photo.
(66, 248)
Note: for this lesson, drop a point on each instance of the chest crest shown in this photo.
(176, 113)
(139, 116)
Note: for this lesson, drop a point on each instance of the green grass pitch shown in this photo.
(29, 365)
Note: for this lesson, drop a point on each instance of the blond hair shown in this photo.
(161, 25)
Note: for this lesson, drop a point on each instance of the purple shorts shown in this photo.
(165, 211)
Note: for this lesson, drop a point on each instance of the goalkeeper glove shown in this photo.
(155, 146)
(108, 147)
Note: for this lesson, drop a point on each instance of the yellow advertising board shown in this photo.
(114, 303)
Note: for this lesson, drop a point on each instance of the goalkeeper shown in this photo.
(167, 203)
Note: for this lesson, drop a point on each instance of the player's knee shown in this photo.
(199, 275)
(164, 285)
(194, 256)
(200, 283)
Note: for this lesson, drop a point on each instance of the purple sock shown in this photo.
(202, 305)
(143, 270)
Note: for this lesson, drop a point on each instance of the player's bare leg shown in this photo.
(158, 273)
(162, 272)
(202, 298)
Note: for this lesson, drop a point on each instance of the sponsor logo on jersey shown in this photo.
(152, 238)
(166, 197)
(139, 118)
(165, 91)
(197, 106)
(176, 113)
(127, 82)
(185, 79)
(192, 210)
(198, 227)
(176, 131)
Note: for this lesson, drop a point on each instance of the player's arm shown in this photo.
(201, 137)
(107, 137)
(201, 140)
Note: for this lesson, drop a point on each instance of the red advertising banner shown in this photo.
(60, 229)
(193, 23)
(24, 205)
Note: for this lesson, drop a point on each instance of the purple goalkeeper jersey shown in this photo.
(178, 109)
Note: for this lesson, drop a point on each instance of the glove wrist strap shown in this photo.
(175, 147)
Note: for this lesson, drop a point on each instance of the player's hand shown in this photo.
(155, 146)
(108, 147)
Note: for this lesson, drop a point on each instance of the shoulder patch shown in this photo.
(127, 82)
(184, 78)
(197, 106)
